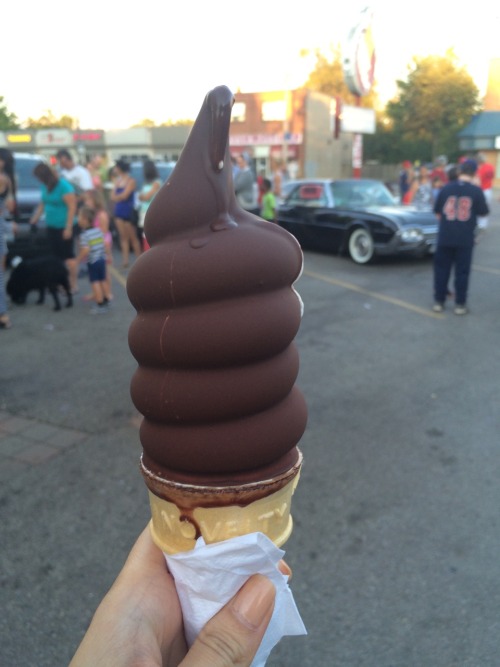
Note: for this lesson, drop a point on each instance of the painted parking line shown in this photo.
(118, 276)
(375, 295)
(339, 283)
(486, 269)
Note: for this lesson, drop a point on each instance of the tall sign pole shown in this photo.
(359, 72)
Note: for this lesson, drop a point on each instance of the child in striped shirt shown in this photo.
(93, 251)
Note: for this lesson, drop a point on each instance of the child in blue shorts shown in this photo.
(93, 251)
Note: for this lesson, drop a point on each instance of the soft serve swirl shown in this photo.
(216, 319)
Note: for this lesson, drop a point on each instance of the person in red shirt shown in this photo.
(485, 176)
(439, 170)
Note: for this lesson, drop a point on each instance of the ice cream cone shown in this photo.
(181, 513)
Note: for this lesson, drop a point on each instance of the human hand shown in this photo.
(140, 621)
(67, 233)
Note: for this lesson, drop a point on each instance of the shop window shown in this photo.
(274, 110)
(238, 114)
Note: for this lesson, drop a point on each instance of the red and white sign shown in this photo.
(54, 137)
(88, 136)
(359, 55)
(357, 120)
(263, 139)
(357, 151)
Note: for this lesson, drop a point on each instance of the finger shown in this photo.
(231, 638)
(285, 569)
(144, 559)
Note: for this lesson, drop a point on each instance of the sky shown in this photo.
(111, 65)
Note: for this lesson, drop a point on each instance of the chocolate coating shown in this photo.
(216, 319)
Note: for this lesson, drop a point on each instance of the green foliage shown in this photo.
(327, 77)
(389, 146)
(436, 101)
(49, 120)
(178, 123)
(146, 122)
(8, 120)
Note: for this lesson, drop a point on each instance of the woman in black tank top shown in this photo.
(7, 205)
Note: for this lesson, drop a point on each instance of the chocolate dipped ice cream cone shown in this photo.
(214, 340)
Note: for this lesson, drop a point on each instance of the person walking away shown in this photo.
(152, 183)
(244, 186)
(93, 251)
(457, 208)
(59, 203)
(7, 206)
(95, 201)
(268, 210)
(123, 196)
(486, 175)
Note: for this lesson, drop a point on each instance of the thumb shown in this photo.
(231, 638)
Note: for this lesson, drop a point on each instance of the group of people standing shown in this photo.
(419, 184)
(78, 220)
(71, 195)
(460, 196)
(129, 220)
(257, 195)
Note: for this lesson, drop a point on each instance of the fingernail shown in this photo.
(254, 601)
(285, 569)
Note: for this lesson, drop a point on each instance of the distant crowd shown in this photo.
(420, 184)
(81, 204)
(78, 212)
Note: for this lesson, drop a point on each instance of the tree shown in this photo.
(8, 120)
(327, 77)
(178, 123)
(433, 105)
(48, 119)
(146, 122)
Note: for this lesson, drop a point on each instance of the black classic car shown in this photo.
(359, 217)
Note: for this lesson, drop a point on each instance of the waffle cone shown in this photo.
(181, 513)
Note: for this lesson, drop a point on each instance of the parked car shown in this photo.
(27, 242)
(137, 173)
(359, 217)
(164, 171)
(28, 193)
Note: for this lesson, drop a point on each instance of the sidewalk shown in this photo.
(29, 442)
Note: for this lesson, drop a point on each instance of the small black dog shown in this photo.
(39, 274)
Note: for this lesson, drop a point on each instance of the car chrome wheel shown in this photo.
(361, 249)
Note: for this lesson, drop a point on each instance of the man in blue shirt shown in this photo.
(457, 207)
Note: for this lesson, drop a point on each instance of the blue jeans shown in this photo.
(445, 258)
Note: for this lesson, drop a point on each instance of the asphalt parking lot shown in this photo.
(396, 545)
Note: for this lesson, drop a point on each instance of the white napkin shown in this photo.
(211, 574)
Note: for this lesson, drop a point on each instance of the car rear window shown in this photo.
(24, 173)
(309, 194)
(137, 173)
